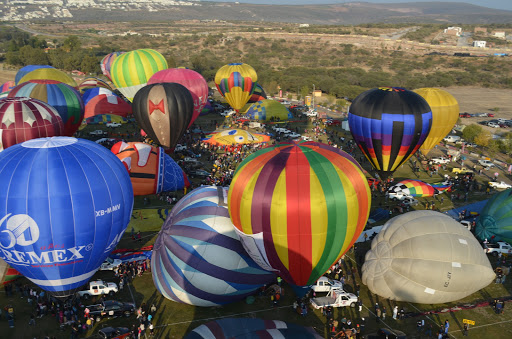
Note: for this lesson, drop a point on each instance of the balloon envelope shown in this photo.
(235, 137)
(48, 74)
(7, 86)
(92, 92)
(92, 82)
(107, 104)
(192, 80)
(22, 119)
(27, 69)
(496, 218)
(445, 113)
(389, 124)
(258, 94)
(198, 258)
(267, 110)
(235, 82)
(300, 207)
(131, 71)
(254, 328)
(106, 63)
(67, 203)
(425, 257)
(151, 170)
(164, 112)
(64, 98)
(413, 188)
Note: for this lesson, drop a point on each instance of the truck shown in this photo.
(109, 264)
(98, 287)
(325, 284)
(461, 170)
(335, 298)
(111, 308)
(97, 132)
(499, 247)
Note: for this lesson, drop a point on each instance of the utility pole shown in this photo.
(313, 97)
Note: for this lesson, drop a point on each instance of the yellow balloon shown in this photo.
(49, 74)
(445, 112)
(235, 83)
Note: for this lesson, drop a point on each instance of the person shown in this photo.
(383, 312)
(151, 330)
(395, 312)
(446, 326)
(465, 330)
(360, 303)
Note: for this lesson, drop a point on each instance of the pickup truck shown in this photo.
(486, 163)
(325, 284)
(98, 287)
(113, 124)
(499, 247)
(109, 264)
(501, 184)
(111, 308)
(335, 298)
(461, 170)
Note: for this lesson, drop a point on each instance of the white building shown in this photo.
(453, 31)
(479, 43)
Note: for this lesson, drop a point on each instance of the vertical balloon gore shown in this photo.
(164, 111)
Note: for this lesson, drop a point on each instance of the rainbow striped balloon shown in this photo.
(300, 206)
(235, 82)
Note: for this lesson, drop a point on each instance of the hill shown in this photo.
(339, 14)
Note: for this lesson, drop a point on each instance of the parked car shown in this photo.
(109, 264)
(199, 173)
(114, 332)
(333, 122)
(325, 284)
(440, 160)
(469, 144)
(180, 148)
(493, 124)
(451, 138)
(113, 124)
(461, 170)
(499, 247)
(335, 298)
(486, 163)
(465, 115)
(293, 135)
(97, 132)
(306, 138)
(499, 185)
(98, 287)
(111, 308)
(410, 201)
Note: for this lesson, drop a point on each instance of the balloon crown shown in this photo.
(392, 89)
(235, 64)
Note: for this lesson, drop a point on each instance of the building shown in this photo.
(456, 31)
(303, 25)
(479, 43)
(498, 34)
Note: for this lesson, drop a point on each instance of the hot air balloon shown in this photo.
(7, 86)
(164, 112)
(258, 94)
(425, 257)
(235, 137)
(22, 119)
(198, 258)
(445, 113)
(131, 71)
(107, 104)
(102, 119)
(495, 218)
(64, 98)
(27, 69)
(67, 202)
(389, 124)
(192, 80)
(48, 74)
(92, 92)
(235, 82)
(413, 188)
(92, 82)
(253, 328)
(268, 110)
(151, 170)
(106, 63)
(300, 207)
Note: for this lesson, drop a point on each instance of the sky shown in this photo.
(499, 4)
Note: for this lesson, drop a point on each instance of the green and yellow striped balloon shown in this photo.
(131, 71)
(300, 206)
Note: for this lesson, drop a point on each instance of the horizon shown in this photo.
(494, 4)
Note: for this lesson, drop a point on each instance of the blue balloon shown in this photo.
(66, 202)
(92, 92)
(27, 69)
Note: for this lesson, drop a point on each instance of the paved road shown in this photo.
(31, 31)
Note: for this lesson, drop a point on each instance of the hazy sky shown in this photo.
(500, 4)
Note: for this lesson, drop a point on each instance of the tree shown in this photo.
(304, 91)
(483, 138)
(471, 132)
(72, 43)
(90, 65)
(32, 56)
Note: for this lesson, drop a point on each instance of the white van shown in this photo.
(452, 138)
